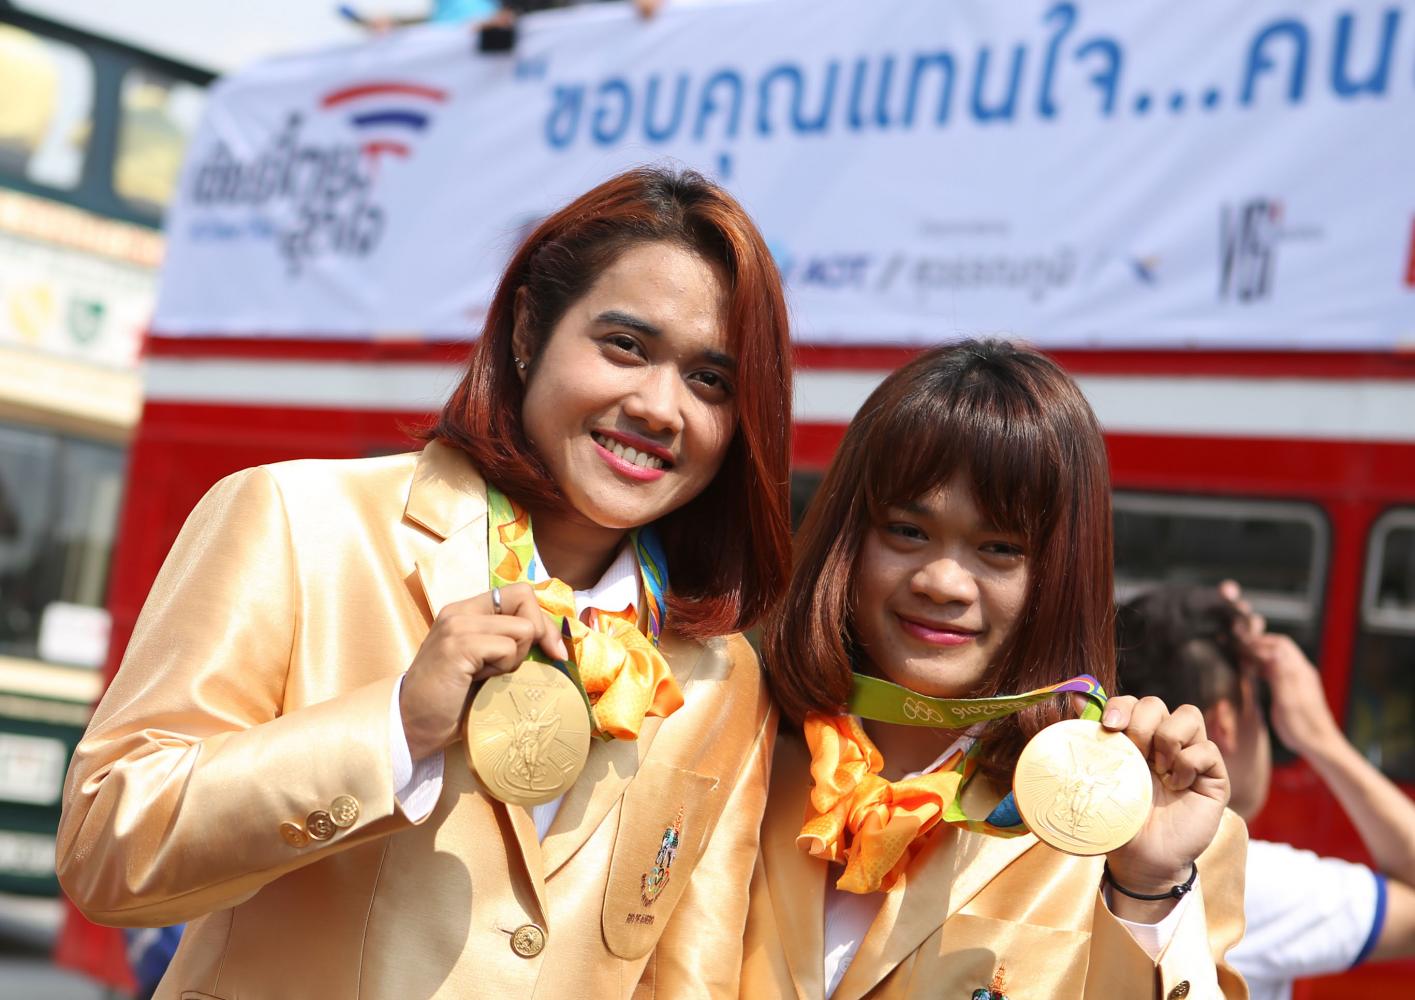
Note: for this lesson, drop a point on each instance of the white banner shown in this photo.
(1107, 173)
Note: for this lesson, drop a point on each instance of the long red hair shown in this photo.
(729, 548)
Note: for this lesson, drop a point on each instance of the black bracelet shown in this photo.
(1175, 892)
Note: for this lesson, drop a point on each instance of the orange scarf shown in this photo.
(624, 674)
(873, 826)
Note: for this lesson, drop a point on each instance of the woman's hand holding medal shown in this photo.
(1191, 788)
(469, 642)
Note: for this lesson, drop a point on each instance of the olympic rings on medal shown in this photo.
(496, 600)
(919, 711)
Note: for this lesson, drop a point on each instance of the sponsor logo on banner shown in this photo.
(1145, 269)
(1031, 274)
(1142, 269)
(843, 270)
(1248, 236)
(1250, 233)
(311, 190)
(976, 255)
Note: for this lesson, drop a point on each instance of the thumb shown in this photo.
(551, 640)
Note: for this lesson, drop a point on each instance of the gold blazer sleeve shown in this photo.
(700, 953)
(1122, 968)
(765, 970)
(1224, 863)
(175, 798)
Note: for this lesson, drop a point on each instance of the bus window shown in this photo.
(46, 108)
(1383, 670)
(158, 114)
(58, 512)
(1277, 551)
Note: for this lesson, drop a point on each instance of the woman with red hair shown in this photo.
(952, 599)
(472, 722)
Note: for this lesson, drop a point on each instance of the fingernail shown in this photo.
(1111, 719)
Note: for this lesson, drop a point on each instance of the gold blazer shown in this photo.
(253, 704)
(972, 904)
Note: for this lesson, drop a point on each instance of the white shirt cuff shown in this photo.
(416, 786)
(1154, 938)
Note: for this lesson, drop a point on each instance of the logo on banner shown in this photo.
(1250, 234)
(310, 189)
(835, 271)
(1144, 269)
(1248, 238)
(1034, 275)
(386, 116)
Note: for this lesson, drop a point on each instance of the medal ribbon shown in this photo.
(875, 827)
(617, 668)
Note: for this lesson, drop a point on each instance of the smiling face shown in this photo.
(629, 401)
(937, 590)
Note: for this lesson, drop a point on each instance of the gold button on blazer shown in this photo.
(970, 906)
(237, 773)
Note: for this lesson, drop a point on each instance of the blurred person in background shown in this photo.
(646, 8)
(150, 951)
(475, 12)
(480, 13)
(1307, 915)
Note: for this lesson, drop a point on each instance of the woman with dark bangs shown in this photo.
(281, 759)
(959, 549)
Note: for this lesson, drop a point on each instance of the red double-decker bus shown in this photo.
(1291, 472)
(1287, 468)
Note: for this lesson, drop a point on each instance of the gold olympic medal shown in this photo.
(528, 734)
(1082, 789)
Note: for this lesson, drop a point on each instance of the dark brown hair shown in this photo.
(1178, 643)
(1012, 422)
(729, 548)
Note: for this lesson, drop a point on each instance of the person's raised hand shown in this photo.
(1299, 713)
(1250, 627)
(468, 642)
(504, 17)
(1190, 788)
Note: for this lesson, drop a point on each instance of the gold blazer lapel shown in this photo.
(611, 766)
(795, 880)
(448, 498)
(951, 871)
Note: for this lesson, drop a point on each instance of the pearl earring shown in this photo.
(519, 363)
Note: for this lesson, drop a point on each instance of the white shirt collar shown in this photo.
(616, 589)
